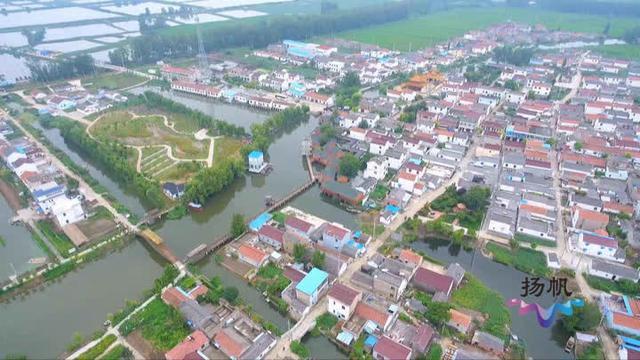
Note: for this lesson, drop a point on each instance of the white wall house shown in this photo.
(377, 168)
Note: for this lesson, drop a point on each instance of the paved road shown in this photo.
(83, 186)
(281, 350)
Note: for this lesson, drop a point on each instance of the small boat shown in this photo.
(195, 206)
(571, 343)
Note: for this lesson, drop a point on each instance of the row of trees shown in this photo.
(112, 156)
(158, 45)
(209, 181)
(64, 69)
(215, 126)
(264, 133)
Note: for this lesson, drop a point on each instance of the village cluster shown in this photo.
(46, 183)
(553, 140)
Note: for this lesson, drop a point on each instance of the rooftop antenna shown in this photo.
(202, 55)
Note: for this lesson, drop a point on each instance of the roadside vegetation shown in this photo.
(59, 240)
(159, 323)
(98, 348)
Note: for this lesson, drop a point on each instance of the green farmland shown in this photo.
(429, 30)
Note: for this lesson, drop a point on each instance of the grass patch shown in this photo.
(98, 348)
(622, 286)
(119, 352)
(624, 51)
(59, 240)
(475, 295)
(299, 349)
(326, 322)
(187, 283)
(435, 28)
(111, 81)
(159, 323)
(226, 147)
(526, 260)
(148, 130)
(534, 240)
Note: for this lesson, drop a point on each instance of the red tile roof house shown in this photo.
(342, 300)
(230, 345)
(272, 236)
(298, 226)
(432, 282)
(252, 256)
(189, 347)
(387, 349)
(588, 220)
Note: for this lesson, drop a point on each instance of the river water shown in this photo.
(43, 323)
(18, 247)
(540, 343)
(124, 195)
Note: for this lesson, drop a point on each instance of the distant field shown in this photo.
(626, 52)
(112, 81)
(435, 28)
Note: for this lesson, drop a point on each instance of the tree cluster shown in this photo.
(348, 91)
(112, 156)
(80, 65)
(158, 45)
(513, 56)
(264, 133)
(34, 37)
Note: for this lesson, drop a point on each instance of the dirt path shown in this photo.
(10, 194)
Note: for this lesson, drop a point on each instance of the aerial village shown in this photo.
(552, 142)
(549, 147)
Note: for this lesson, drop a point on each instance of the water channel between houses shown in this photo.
(42, 324)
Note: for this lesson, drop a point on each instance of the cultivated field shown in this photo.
(438, 27)
(112, 81)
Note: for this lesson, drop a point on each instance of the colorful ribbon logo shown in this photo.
(546, 317)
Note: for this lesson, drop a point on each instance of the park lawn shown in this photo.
(111, 81)
(626, 51)
(181, 122)
(59, 240)
(425, 31)
(475, 295)
(160, 324)
(526, 260)
(225, 147)
(147, 130)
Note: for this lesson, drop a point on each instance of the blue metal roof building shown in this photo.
(311, 285)
(259, 222)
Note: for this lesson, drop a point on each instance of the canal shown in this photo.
(41, 324)
(18, 251)
(540, 343)
(81, 301)
(121, 193)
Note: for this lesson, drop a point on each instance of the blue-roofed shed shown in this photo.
(392, 209)
(310, 287)
(345, 338)
(371, 341)
(258, 222)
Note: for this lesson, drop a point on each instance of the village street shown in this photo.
(281, 350)
(83, 186)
